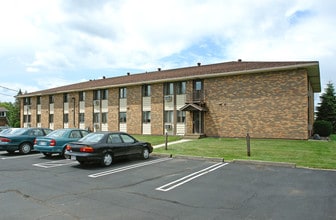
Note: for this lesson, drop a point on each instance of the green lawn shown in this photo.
(314, 154)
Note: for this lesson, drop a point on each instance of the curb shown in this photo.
(214, 159)
(265, 163)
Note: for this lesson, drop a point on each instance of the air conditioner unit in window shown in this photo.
(168, 98)
(96, 126)
(96, 102)
(168, 127)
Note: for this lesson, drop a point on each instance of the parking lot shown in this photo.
(33, 187)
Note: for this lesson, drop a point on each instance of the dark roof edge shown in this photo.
(312, 67)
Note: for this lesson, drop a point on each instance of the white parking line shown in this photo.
(21, 156)
(55, 163)
(183, 180)
(121, 169)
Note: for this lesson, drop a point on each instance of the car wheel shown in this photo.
(25, 148)
(63, 155)
(107, 159)
(11, 151)
(145, 153)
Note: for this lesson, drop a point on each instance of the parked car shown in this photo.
(103, 147)
(21, 139)
(56, 141)
(5, 131)
(3, 128)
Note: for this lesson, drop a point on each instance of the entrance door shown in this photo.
(198, 122)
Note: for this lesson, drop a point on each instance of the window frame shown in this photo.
(146, 117)
(122, 117)
(123, 93)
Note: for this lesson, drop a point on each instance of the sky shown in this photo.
(46, 44)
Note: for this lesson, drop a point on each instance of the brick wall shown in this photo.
(113, 109)
(157, 109)
(58, 111)
(44, 111)
(267, 105)
(134, 110)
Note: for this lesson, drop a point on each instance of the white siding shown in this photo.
(122, 105)
(146, 128)
(123, 127)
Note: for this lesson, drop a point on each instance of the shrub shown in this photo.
(323, 128)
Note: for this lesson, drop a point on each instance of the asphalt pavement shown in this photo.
(33, 187)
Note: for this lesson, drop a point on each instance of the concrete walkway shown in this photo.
(173, 142)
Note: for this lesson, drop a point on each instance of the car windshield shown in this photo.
(57, 133)
(92, 137)
(17, 131)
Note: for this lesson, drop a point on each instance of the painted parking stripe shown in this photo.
(188, 178)
(121, 169)
(55, 163)
(21, 156)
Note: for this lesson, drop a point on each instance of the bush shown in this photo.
(323, 128)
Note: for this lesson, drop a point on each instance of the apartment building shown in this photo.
(231, 99)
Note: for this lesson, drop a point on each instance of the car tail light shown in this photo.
(86, 149)
(4, 139)
(52, 142)
(68, 148)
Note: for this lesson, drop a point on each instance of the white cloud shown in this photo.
(67, 39)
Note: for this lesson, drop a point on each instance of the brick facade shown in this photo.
(265, 104)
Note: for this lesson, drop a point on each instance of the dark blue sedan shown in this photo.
(21, 139)
(55, 142)
(104, 146)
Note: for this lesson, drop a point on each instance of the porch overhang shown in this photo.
(193, 107)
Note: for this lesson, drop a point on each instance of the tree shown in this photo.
(327, 109)
(13, 114)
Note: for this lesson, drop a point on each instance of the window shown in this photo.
(51, 99)
(38, 100)
(169, 88)
(96, 95)
(27, 101)
(146, 117)
(122, 93)
(114, 139)
(127, 139)
(168, 116)
(81, 96)
(104, 117)
(38, 118)
(104, 94)
(75, 134)
(96, 118)
(2, 114)
(81, 118)
(198, 85)
(27, 118)
(65, 97)
(146, 90)
(65, 118)
(181, 115)
(51, 118)
(181, 88)
(122, 117)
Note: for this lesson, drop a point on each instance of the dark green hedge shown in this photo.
(323, 128)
